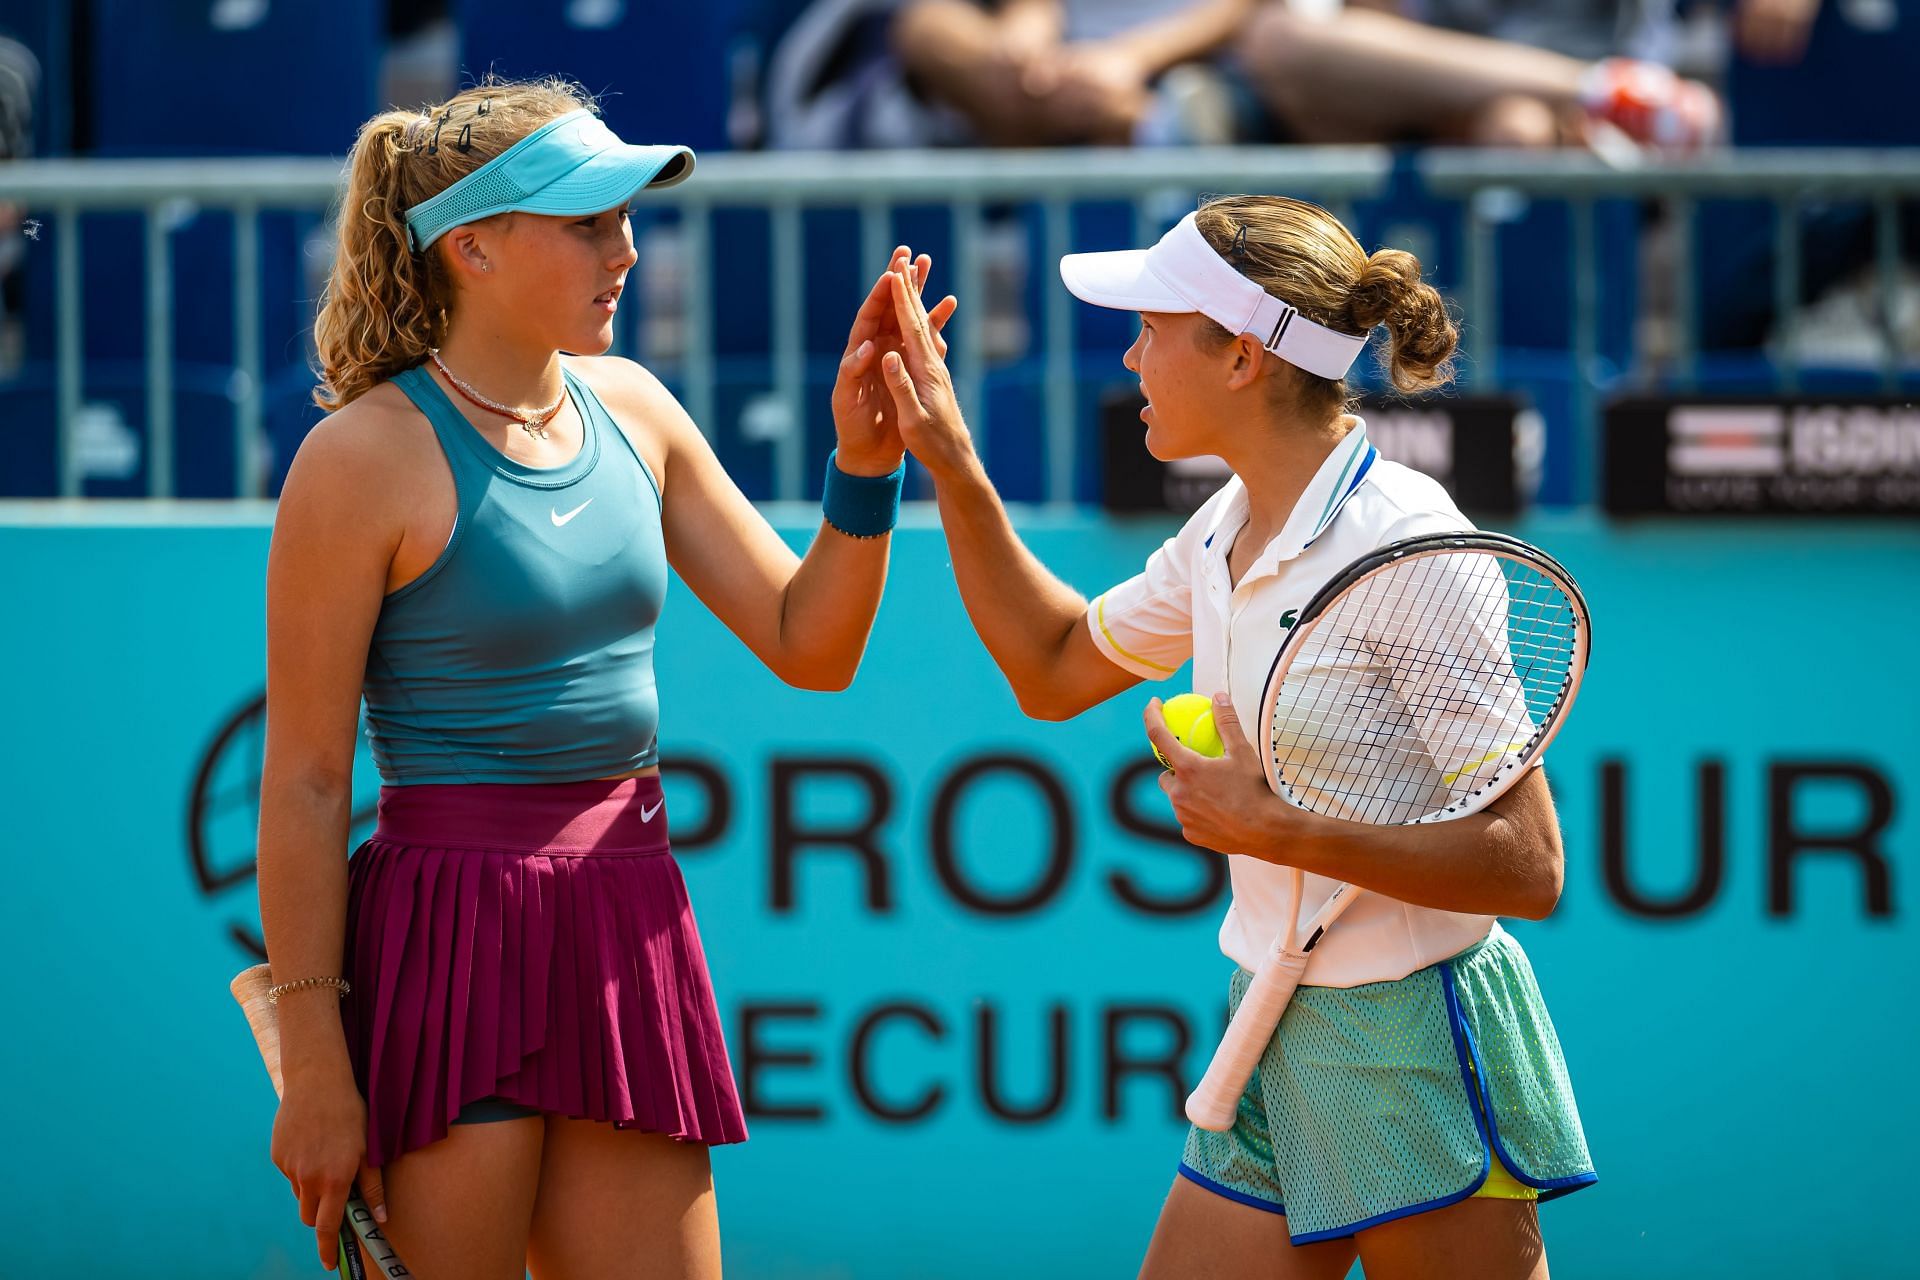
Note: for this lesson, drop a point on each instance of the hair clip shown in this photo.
(433, 148)
(1239, 246)
(484, 109)
(464, 143)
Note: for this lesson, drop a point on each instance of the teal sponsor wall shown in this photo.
(958, 1020)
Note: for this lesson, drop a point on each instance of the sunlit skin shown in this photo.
(1223, 400)
(1185, 384)
(538, 285)
(368, 506)
(1220, 400)
(1236, 400)
(1230, 400)
(542, 280)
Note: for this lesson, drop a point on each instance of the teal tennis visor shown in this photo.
(571, 166)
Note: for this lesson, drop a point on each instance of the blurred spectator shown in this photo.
(1773, 32)
(421, 62)
(1513, 73)
(1803, 73)
(19, 85)
(866, 73)
(1526, 73)
(1039, 72)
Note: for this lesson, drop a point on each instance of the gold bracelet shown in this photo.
(299, 984)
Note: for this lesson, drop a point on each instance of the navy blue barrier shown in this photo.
(194, 77)
(663, 67)
(1009, 415)
(45, 27)
(1535, 357)
(201, 331)
(198, 78)
(1535, 246)
(33, 461)
(967, 967)
(1851, 88)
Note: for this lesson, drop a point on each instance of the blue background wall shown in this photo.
(1745, 1076)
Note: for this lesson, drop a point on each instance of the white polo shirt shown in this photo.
(1184, 605)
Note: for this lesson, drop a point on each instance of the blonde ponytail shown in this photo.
(385, 306)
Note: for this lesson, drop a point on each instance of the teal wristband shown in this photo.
(861, 506)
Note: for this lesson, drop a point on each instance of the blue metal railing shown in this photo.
(875, 186)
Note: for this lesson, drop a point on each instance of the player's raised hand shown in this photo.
(863, 406)
(926, 409)
(1774, 31)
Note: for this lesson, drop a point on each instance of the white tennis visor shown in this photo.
(1183, 274)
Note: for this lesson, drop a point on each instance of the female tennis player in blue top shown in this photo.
(1414, 1104)
(498, 1014)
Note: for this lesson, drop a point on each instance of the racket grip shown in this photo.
(1216, 1100)
(249, 989)
(361, 1242)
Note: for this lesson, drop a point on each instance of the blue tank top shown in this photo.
(525, 652)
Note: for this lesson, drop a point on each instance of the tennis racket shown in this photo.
(364, 1250)
(1418, 685)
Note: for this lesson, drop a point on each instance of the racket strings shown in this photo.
(1451, 690)
(1365, 631)
(1422, 684)
(1455, 678)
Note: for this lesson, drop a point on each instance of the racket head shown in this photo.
(1425, 679)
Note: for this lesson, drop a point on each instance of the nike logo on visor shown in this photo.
(559, 519)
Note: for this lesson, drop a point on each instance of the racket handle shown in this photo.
(351, 1265)
(249, 988)
(363, 1244)
(1216, 1100)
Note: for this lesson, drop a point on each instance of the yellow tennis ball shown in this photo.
(1203, 736)
(1189, 717)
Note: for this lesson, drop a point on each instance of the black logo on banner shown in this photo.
(1475, 446)
(1855, 456)
(1813, 840)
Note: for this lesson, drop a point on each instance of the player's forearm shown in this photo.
(1192, 33)
(303, 909)
(1022, 613)
(1483, 864)
(828, 610)
(957, 57)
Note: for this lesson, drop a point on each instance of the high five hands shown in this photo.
(864, 413)
(925, 410)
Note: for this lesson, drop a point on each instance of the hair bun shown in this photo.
(1422, 335)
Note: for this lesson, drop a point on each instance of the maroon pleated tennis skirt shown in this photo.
(532, 943)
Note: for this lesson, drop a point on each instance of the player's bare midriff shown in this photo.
(651, 771)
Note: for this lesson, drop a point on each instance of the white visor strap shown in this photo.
(1186, 264)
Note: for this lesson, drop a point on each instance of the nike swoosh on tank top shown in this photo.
(525, 652)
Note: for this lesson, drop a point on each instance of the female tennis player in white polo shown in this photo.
(1414, 1104)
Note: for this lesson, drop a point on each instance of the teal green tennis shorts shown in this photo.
(1389, 1099)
